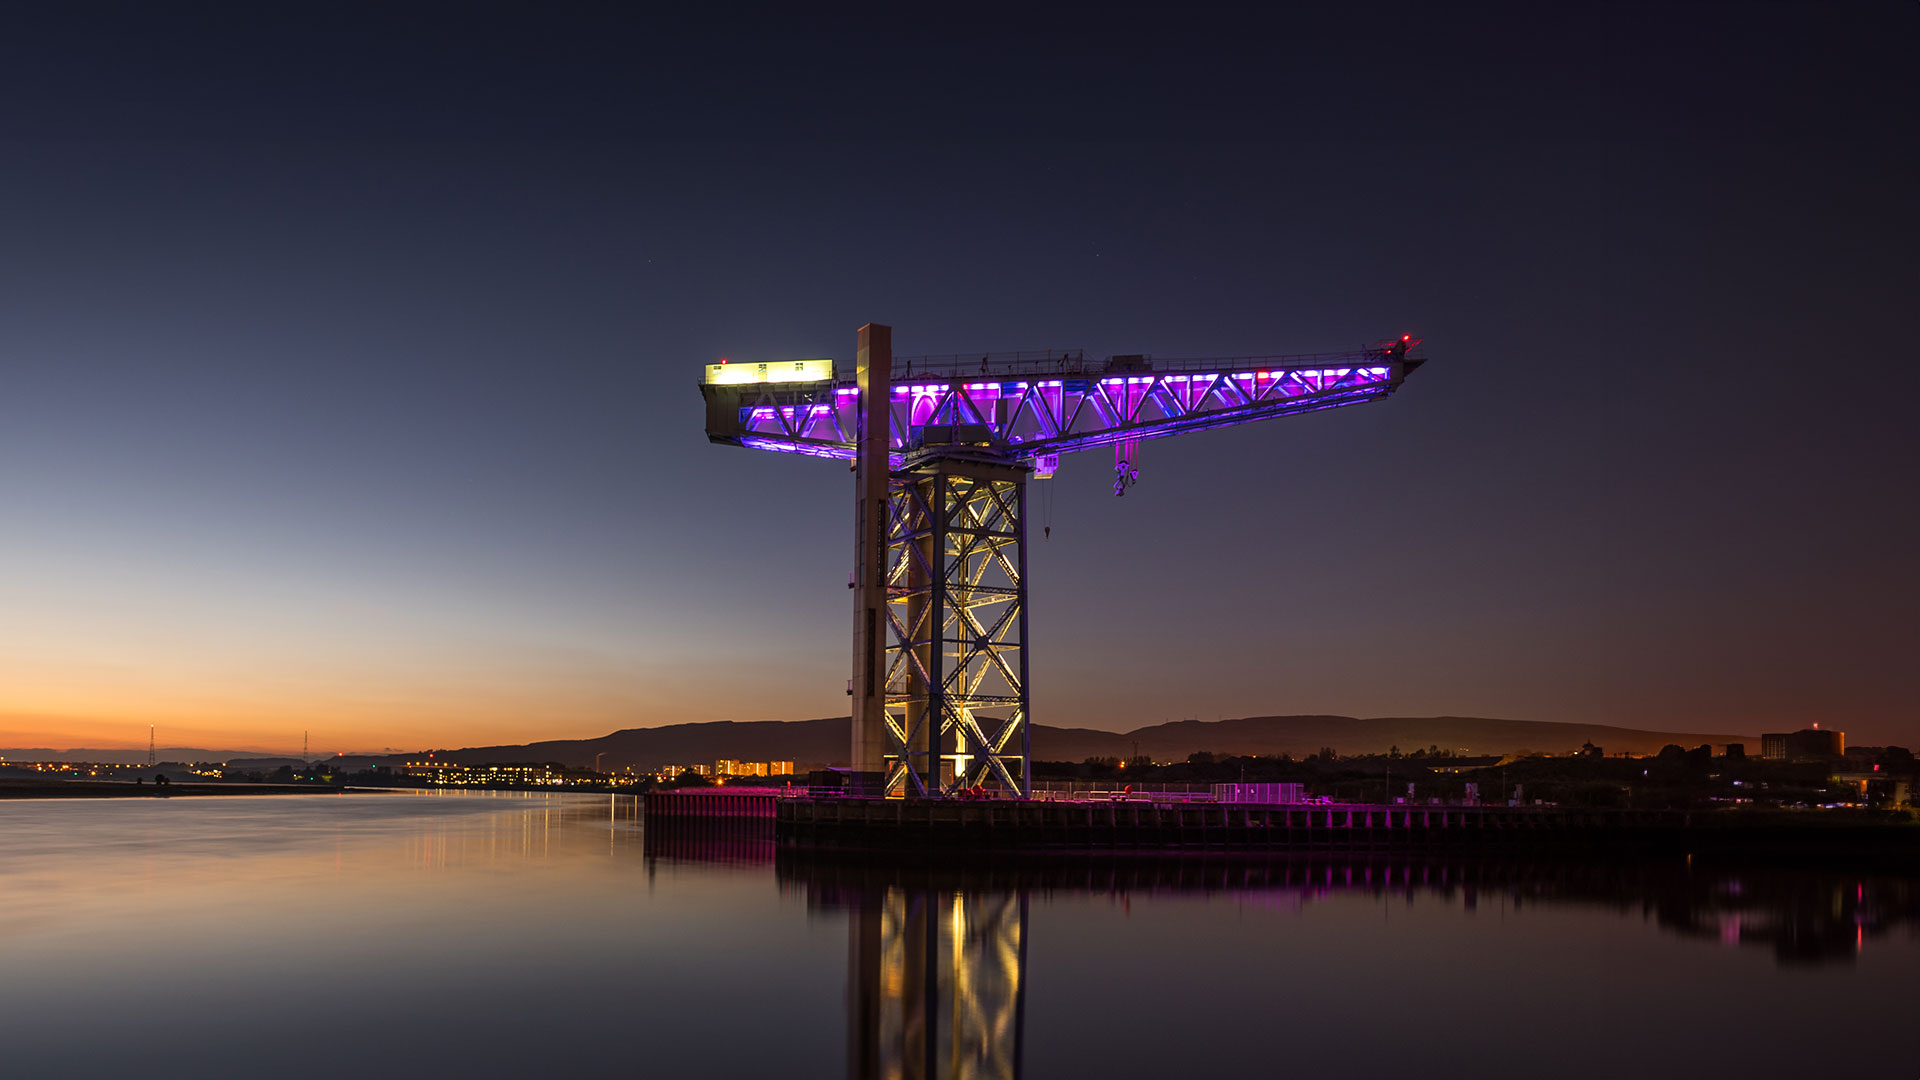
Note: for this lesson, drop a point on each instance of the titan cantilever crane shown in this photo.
(942, 448)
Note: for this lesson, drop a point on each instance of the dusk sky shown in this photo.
(348, 358)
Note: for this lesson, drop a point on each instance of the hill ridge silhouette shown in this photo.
(823, 742)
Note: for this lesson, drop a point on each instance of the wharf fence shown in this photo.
(714, 802)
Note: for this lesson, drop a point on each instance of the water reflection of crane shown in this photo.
(936, 984)
(936, 969)
(937, 953)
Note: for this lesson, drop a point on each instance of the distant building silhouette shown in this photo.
(1800, 745)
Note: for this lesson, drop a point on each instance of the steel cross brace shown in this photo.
(956, 700)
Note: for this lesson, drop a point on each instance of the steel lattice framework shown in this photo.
(955, 703)
(942, 449)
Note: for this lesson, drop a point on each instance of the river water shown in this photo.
(511, 934)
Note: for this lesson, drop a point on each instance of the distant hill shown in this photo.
(127, 757)
(807, 743)
(1301, 735)
(817, 743)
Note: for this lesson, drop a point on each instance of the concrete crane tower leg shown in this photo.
(873, 372)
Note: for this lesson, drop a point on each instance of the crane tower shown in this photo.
(942, 448)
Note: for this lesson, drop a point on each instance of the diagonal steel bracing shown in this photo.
(956, 699)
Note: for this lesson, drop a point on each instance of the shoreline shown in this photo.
(120, 789)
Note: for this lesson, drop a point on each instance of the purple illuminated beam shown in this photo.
(1025, 418)
(1093, 440)
(806, 449)
(832, 451)
(768, 435)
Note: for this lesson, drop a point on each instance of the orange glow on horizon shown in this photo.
(409, 719)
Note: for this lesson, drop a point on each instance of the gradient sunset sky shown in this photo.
(348, 358)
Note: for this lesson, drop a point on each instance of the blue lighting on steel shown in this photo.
(789, 446)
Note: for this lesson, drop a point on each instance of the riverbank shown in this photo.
(118, 789)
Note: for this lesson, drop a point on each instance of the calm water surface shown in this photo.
(510, 934)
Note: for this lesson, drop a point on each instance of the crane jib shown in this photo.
(1028, 410)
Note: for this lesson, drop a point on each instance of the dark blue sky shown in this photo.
(347, 357)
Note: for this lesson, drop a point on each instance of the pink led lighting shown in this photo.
(778, 447)
(1077, 413)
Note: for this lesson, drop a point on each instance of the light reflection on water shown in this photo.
(501, 934)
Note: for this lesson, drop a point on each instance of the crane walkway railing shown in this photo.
(1077, 362)
(1026, 362)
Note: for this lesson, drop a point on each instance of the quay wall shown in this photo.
(907, 825)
